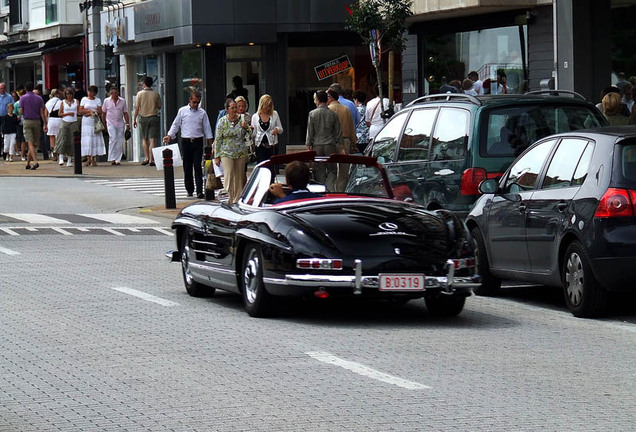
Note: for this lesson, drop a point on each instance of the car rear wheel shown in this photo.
(584, 296)
(445, 305)
(194, 288)
(490, 285)
(256, 299)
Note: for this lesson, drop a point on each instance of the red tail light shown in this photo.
(471, 179)
(616, 203)
(319, 264)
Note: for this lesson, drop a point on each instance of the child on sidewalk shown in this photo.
(9, 130)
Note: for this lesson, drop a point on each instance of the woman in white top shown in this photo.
(373, 115)
(266, 126)
(53, 120)
(68, 114)
(92, 143)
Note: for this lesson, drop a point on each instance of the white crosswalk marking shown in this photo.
(118, 218)
(152, 186)
(79, 218)
(35, 218)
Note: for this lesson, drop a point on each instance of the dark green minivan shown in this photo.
(439, 148)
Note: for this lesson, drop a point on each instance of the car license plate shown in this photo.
(401, 282)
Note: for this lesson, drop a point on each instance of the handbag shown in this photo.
(251, 153)
(213, 182)
(55, 113)
(127, 135)
(99, 126)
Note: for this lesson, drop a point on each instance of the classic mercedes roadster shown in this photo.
(360, 242)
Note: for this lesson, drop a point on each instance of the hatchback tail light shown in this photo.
(616, 203)
(471, 179)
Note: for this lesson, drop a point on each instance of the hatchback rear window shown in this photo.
(509, 131)
(629, 162)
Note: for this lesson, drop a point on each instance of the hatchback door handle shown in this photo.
(562, 206)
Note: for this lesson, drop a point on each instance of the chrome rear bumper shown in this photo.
(448, 284)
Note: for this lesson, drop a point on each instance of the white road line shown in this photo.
(112, 231)
(118, 218)
(145, 296)
(62, 231)
(164, 231)
(363, 370)
(8, 251)
(34, 218)
(9, 231)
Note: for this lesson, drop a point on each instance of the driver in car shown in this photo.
(297, 176)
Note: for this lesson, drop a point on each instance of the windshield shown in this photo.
(363, 180)
(509, 131)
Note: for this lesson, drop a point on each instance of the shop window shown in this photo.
(190, 76)
(51, 11)
(303, 80)
(244, 74)
(495, 54)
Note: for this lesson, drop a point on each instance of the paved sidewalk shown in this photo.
(50, 168)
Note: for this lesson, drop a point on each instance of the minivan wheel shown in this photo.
(584, 297)
(490, 285)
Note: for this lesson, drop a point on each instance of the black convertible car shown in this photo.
(360, 242)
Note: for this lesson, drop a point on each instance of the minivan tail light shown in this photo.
(616, 203)
(471, 179)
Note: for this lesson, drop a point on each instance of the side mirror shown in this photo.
(489, 186)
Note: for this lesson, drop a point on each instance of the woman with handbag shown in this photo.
(267, 127)
(230, 149)
(64, 145)
(92, 127)
(53, 120)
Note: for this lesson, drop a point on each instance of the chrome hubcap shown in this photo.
(250, 276)
(574, 278)
(185, 264)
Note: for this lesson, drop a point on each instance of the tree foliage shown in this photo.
(388, 17)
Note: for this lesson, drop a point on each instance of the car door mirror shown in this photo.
(489, 186)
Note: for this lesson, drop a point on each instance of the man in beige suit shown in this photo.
(349, 138)
(147, 106)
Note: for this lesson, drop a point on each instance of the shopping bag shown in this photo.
(157, 155)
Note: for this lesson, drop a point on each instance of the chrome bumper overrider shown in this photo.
(447, 284)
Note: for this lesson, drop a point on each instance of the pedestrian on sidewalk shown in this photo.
(324, 136)
(65, 144)
(5, 99)
(147, 106)
(32, 112)
(117, 121)
(230, 148)
(266, 127)
(92, 143)
(194, 124)
(9, 130)
(53, 120)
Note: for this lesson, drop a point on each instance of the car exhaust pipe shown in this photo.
(173, 256)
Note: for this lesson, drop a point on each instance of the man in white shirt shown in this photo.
(195, 126)
(478, 84)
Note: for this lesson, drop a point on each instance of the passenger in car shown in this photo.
(297, 176)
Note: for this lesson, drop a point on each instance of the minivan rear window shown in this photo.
(509, 131)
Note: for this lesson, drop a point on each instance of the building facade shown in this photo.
(290, 48)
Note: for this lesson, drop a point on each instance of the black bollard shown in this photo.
(77, 152)
(168, 179)
(208, 190)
